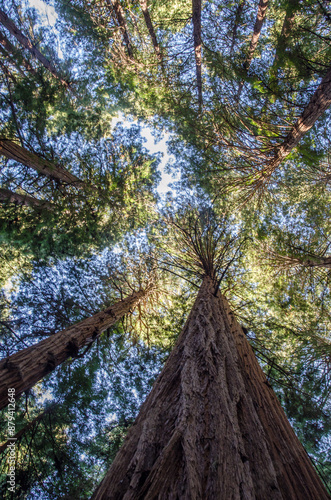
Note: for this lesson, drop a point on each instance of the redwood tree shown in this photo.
(22, 370)
(212, 426)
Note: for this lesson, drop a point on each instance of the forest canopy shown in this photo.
(99, 269)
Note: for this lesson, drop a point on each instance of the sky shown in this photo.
(48, 17)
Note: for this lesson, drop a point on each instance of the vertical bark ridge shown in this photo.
(202, 432)
(25, 42)
(25, 368)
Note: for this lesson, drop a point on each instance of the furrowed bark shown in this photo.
(149, 24)
(25, 42)
(122, 22)
(8, 196)
(211, 428)
(24, 369)
(196, 18)
(261, 14)
(15, 152)
(12, 50)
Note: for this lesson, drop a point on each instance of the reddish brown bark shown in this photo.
(122, 22)
(25, 42)
(12, 50)
(23, 370)
(261, 14)
(211, 427)
(319, 102)
(196, 18)
(149, 24)
(8, 196)
(15, 152)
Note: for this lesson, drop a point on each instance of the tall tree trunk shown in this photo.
(8, 196)
(287, 28)
(149, 24)
(319, 102)
(211, 428)
(196, 18)
(115, 4)
(12, 50)
(261, 14)
(18, 436)
(15, 152)
(25, 42)
(239, 10)
(23, 370)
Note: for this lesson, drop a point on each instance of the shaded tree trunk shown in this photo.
(211, 428)
(261, 14)
(196, 18)
(8, 196)
(239, 11)
(25, 42)
(149, 24)
(15, 53)
(283, 39)
(24, 369)
(18, 436)
(15, 152)
(115, 4)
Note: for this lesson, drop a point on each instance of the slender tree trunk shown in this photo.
(149, 24)
(12, 50)
(23, 370)
(122, 22)
(25, 42)
(239, 10)
(261, 14)
(18, 436)
(211, 428)
(319, 102)
(287, 28)
(15, 152)
(8, 196)
(196, 18)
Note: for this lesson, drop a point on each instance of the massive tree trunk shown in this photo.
(261, 14)
(8, 196)
(23, 370)
(196, 18)
(15, 152)
(211, 428)
(25, 42)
